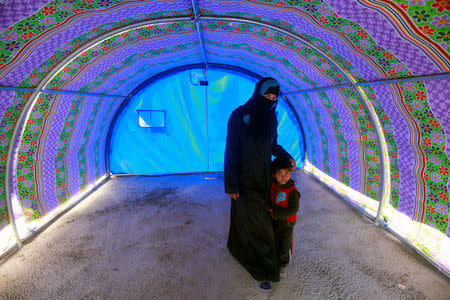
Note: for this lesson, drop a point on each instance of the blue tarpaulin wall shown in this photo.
(187, 124)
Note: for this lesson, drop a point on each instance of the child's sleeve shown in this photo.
(281, 213)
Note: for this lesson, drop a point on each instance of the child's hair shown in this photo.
(280, 163)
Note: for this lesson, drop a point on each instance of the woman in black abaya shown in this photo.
(251, 142)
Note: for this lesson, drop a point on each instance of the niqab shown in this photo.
(262, 121)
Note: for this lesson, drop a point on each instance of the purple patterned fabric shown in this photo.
(83, 24)
(439, 99)
(438, 92)
(50, 148)
(312, 139)
(102, 144)
(6, 97)
(326, 123)
(260, 66)
(77, 138)
(385, 35)
(347, 123)
(300, 23)
(406, 154)
(12, 11)
(258, 44)
(116, 60)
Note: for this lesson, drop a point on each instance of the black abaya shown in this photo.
(247, 172)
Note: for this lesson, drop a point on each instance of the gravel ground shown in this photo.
(165, 238)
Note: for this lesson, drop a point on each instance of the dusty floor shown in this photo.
(164, 238)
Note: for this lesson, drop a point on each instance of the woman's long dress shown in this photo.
(247, 171)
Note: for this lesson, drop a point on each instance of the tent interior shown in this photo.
(94, 90)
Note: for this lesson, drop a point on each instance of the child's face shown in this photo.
(282, 176)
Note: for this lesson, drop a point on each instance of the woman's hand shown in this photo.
(234, 196)
(293, 164)
(270, 211)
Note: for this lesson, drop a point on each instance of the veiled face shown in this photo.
(271, 97)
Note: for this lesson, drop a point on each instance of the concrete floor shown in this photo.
(165, 238)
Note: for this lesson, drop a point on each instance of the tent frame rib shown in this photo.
(20, 89)
(377, 82)
(196, 19)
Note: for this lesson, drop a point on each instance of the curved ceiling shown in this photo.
(369, 80)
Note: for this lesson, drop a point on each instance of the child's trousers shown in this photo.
(284, 238)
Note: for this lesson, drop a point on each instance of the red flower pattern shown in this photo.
(443, 170)
(48, 10)
(392, 73)
(440, 5)
(420, 95)
(426, 142)
(323, 20)
(434, 123)
(427, 30)
(388, 55)
(27, 35)
(362, 34)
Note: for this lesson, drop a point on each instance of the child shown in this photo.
(285, 199)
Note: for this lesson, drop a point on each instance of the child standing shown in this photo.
(285, 199)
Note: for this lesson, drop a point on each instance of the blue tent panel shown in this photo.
(164, 128)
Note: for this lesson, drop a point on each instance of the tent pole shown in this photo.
(19, 89)
(199, 30)
(377, 82)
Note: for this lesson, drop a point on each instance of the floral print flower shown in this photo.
(24, 27)
(417, 2)
(435, 160)
(417, 105)
(421, 16)
(104, 3)
(48, 10)
(65, 7)
(12, 46)
(427, 30)
(63, 14)
(428, 113)
(445, 36)
(409, 86)
(443, 170)
(437, 138)
(324, 9)
(9, 36)
(310, 7)
(398, 67)
(384, 62)
(435, 177)
(47, 21)
(440, 5)
(365, 44)
(426, 128)
(440, 21)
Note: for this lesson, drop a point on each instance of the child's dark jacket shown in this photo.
(285, 202)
